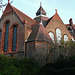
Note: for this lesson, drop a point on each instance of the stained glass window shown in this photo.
(14, 38)
(58, 35)
(6, 37)
(0, 35)
(51, 35)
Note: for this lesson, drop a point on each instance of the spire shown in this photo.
(40, 11)
(40, 4)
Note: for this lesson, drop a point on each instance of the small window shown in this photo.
(51, 35)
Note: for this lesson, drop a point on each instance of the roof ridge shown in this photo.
(16, 12)
(57, 15)
(22, 13)
(43, 33)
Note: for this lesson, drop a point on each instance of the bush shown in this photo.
(14, 66)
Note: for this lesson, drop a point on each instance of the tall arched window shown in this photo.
(65, 38)
(14, 38)
(58, 35)
(51, 35)
(6, 37)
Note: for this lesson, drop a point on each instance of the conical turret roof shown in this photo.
(39, 33)
(40, 11)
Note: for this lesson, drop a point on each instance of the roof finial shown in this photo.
(8, 1)
(56, 10)
(40, 4)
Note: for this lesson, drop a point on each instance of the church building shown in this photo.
(22, 36)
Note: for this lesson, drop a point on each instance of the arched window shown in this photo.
(14, 41)
(6, 37)
(51, 35)
(58, 35)
(65, 38)
(0, 34)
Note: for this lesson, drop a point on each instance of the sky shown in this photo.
(65, 8)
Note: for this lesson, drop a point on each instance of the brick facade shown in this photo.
(38, 51)
(54, 24)
(13, 20)
(33, 39)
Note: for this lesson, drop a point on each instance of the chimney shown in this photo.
(71, 22)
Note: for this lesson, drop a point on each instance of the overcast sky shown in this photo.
(66, 8)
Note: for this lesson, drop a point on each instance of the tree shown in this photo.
(2, 4)
(61, 51)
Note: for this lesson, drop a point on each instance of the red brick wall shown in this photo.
(13, 20)
(54, 24)
(38, 51)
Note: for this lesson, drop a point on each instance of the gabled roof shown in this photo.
(20, 14)
(73, 26)
(39, 33)
(55, 17)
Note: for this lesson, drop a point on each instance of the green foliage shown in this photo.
(62, 67)
(62, 51)
(14, 66)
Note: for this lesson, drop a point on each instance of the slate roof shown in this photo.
(69, 25)
(39, 33)
(41, 9)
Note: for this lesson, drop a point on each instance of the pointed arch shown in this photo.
(65, 38)
(52, 36)
(6, 35)
(58, 35)
(14, 38)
